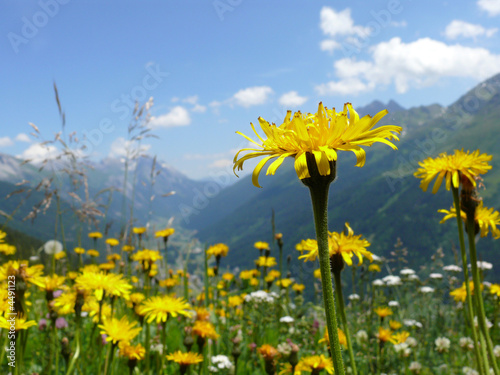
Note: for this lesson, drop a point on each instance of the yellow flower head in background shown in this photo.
(119, 331)
(185, 359)
(60, 255)
(451, 168)
(95, 235)
(20, 323)
(218, 250)
(136, 352)
(93, 253)
(79, 250)
(486, 218)
(205, 329)
(164, 233)
(261, 245)
(269, 352)
(342, 338)
(160, 308)
(495, 289)
(316, 363)
(383, 311)
(384, 334)
(7, 249)
(139, 230)
(112, 242)
(460, 294)
(320, 134)
(266, 262)
(346, 245)
(374, 268)
(400, 337)
(395, 325)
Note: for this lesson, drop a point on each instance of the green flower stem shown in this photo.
(319, 197)
(470, 311)
(77, 350)
(471, 224)
(341, 307)
(207, 292)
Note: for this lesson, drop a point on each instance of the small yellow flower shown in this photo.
(299, 288)
(205, 330)
(374, 268)
(342, 338)
(384, 334)
(20, 323)
(317, 273)
(395, 325)
(460, 294)
(495, 289)
(60, 255)
(266, 262)
(399, 338)
(127, 248)
(139, 230)
(134, 352)
(113, 257)
(164, 233)
(228, 276)
(268, 352)
(93, 253)
(185, 359)
(452, 168)
(261, 245)
(321, 134)
(95, 235)
(79, 250)
(284, 283)
(112, 242)
(487, 218)
(160, 308)
(316, 363)
(119, 330)
(218, 250)
(7, 249)
(383, 311)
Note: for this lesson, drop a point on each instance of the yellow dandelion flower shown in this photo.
(460, 294)
(79, 250)
(107, 266)
(51, 283)
(20, 322)
(284, 283)
(235, 301)
(127, 248)
(185, 359)
(134, 352)
(60, 255)
(139, 230)
(266, 262)
(205, 330)
(113, 257)
(261, 245)
(72, 275)
(159, 308)
(170, 282)
(101, 284)
(228, 276)
(164, 233)
(400, 337)
(202, 313)
(7, 249)
(317, 273)
(384, 334)
(21, 268)
(374, 268)
(299, 288)
(218, 250)
(383, 311)
(486, 218)
(254, 281)
(395, 325)
(321, 134)
(93, 253)
(119, 330)
(95, 235)
(65, 303)
(452, 168)
(495, 289)
(112, 242)
(342, 338)
(317, 363)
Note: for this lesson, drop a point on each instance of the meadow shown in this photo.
(119, 306)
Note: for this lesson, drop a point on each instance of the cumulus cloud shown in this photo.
(199, 108)
(252, 96)
(37, 153)
(458, 28)
(335, 23)
(178, 116)
(490, 6)
(329, 45)
(416, 64)
(6, 142)
(118, 148)
(23, 137)
(292, 99)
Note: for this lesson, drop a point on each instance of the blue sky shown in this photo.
(215, 66)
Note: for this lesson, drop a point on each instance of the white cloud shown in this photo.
(416, 64)
(6, 142)
(178, 116)
(329, 45)
(118, 148)
(199, 108)
(490, 6)
(252, 96)
(23, 137)
(221, 163)
(340, 23)
(292, 99)
(458, 28)
(38, 153)
(399, 24)
(191, 99)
